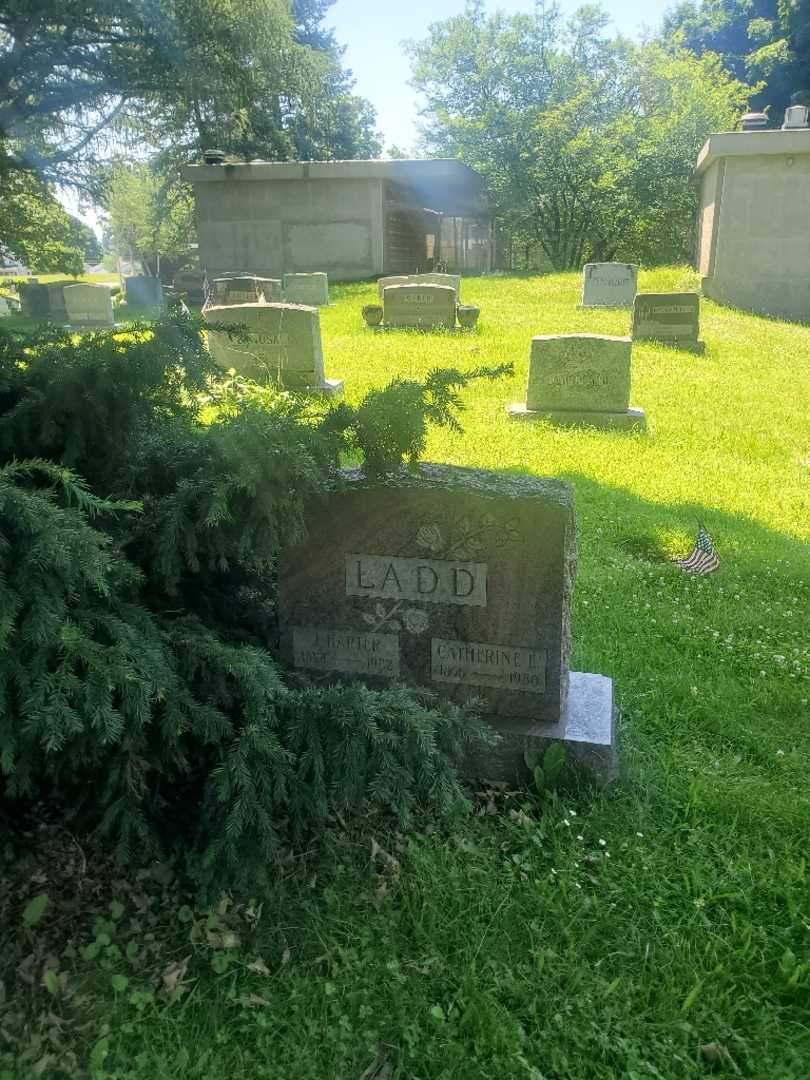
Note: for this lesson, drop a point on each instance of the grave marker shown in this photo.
(672, 318)
(458, 580)
(423, 306)
(312, 289)
(580, 379)
(144, 291)
(284, 345)
(609, 284)
(245, 289)
(88, 305)
(395, 279)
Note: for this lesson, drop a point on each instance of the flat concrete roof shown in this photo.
(418, 169)
(747, 143)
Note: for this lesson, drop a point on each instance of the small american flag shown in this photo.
(703, 558)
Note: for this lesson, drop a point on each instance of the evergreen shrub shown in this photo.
(144, 496)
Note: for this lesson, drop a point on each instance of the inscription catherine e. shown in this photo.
(437, 581)
(481, 663)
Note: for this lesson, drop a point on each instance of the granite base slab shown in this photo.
(586, 730)
(697, 347)
(330, 388)
(618, 421)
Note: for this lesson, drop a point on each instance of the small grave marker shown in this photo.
(609, 284)
(284, 345)
(144, 291)
(580, 379)
(312, 289)
(672, 318)
(458, 580)
(246, 289)
(424, 306)
(88, 305)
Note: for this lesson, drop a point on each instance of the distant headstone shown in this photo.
(144, 291)
(190, 283)
(56, 298)
(34, 299)
(609, 284)
(451, 280)
(580, 379)
(458, 580)
(424, 306)
(394, 279)
(4, 307)
(283, 346)
(310, 289)
(673, 318)
(88, 305)
(247, 289)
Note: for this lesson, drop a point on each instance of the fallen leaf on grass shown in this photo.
(379, 1069)
(258, 967)
(714, 1053)
(254, 1000)
(173, 976)
(226, 940)
(285, 956)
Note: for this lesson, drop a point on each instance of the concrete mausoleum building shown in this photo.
(753, 247)
(352, 219)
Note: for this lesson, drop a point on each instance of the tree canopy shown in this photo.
(586, 141)
(764, 42)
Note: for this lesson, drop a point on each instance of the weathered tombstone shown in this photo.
(191, 283)
(580, 379)
(673, 318)
(88, 305)
(245, 289)
(310, 289)
(423, 306)
(451, 280)
(609, 284)
(56, 298)
(458, 580)
(283, 346)
(4, 307)
(34, 299)
(395, 279)
(144, 291)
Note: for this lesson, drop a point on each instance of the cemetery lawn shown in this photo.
(661, 929)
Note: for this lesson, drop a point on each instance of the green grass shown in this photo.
(600, 936)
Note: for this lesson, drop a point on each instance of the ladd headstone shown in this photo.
(34, 299)
(580, 379)
(283, 345)
(423, 306)
(458, 580)
(609, 284)
(144, 291)
(88, 305)
(673, 318)
(56, 298)
(310, 289)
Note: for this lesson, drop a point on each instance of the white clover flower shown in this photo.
(602, 843)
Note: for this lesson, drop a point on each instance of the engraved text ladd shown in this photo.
(433, 581)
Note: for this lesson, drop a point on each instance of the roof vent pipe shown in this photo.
(795, 117)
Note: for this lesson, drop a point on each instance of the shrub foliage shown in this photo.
(144, 497)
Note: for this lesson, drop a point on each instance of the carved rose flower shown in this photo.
(416, 621)
(430, 537)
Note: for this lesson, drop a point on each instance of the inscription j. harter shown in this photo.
(353, 653)
(434, 581)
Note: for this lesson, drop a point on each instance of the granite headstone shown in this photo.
(88, 305)
(423, 306)
(458, 580)
(580, 379)
(283, 345)
(144, 291)
(245, 289)
(609, 284)
(312, 289)
(394, 279)
(672, 318)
